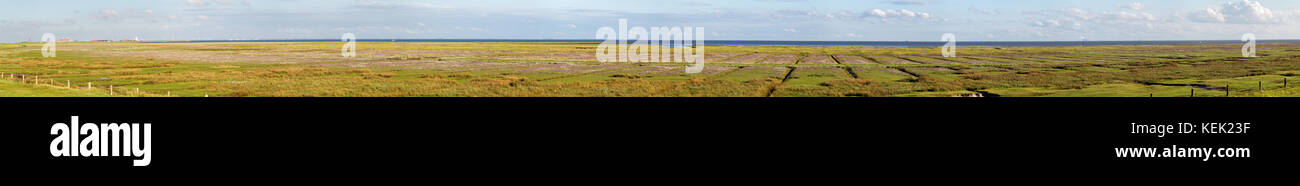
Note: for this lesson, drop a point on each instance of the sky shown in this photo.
(814, 20)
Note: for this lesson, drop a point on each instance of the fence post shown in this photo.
(69, 83)
(1227, 90)
(1193, 93)
(110, 90)
(89, 85)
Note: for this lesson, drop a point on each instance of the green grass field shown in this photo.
(570, 70)
(15, 89)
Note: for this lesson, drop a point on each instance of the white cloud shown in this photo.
(902, 13)
(1133, 6)
(1135, 16)
(109, 14)
(224, 2)
(907, 13)
(882, 15)
(908, 2)
(196, 2)
(1076, 21)
(879, 13)
(1052, 23)
(1101, 17)
(373, 4)
(1239, 12)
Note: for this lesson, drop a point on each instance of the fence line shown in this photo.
(22, 79)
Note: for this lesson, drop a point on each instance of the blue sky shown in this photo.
(835, 20)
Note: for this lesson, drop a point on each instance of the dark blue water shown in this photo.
(810, 43)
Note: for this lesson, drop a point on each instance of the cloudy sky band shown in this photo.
(831, 20)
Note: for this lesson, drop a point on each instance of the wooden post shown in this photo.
(169, 93)
(36, 80)
(137, 91)
(1261, 86)
(110, 90)
(1193, 93)
(69, 83)
(1227, 90)
(89, 85)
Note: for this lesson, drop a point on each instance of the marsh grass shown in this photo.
(567, 69)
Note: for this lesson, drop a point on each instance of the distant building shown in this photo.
(65, 40)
